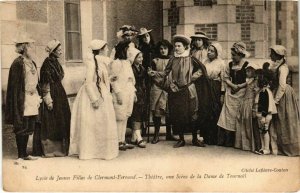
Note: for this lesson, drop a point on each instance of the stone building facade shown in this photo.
(74, 23)
(259, 23)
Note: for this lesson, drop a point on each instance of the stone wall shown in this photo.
(226, 21)
(138, 13)
(44, 20)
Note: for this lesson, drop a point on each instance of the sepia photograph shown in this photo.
(150, 95)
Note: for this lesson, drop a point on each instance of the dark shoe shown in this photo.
(30, 158)
(171, 138)
(122, 147)
(198, 143)
(133, 142)
(155, 140)
(180, 143)
(141, 144)
(128, 146)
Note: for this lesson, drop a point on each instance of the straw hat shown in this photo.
(144, 31)
(52, 45)
(182, 38)
(199, 35)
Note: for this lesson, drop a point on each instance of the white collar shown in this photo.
(184, 54)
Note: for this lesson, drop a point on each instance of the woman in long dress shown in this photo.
(56, 115)
(284, 131)
(93, 123)
(215, 70)
(234, 75)
(245, 124)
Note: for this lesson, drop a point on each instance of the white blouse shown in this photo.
(32, 98)
(215, 70)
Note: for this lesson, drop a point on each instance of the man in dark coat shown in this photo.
(24, 125)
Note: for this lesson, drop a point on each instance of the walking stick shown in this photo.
(148, 86)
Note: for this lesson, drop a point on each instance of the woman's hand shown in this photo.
(113, 79)
(222, 99)
(150, 72)
(196, 75)
(96, 104)
(235, 88)
(135, 98)
(174, 87)
(50, 106)
(119, 99)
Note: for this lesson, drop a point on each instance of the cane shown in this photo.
(148, 87)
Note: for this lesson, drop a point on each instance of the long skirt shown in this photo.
(208, 128)
(180, 110)
(228, 117)
(55, 131)
(244, 135)
(284, 129)
(93, 131)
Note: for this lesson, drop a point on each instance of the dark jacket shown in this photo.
(15, 98)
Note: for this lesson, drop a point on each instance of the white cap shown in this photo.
(97, 44)
(132, 53)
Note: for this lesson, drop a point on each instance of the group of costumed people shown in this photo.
(187, 84)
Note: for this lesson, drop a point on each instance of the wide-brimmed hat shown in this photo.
(97, 44)
(132, 53)
(143, 31)
(52, 45)
(199, 35)
(127, 30)
(240, 47)
(181, 38)
(279, 49)
(23, 37)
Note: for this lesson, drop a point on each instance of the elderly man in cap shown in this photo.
(181, 77)
(23, 98)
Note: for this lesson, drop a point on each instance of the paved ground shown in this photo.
(152, 168)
